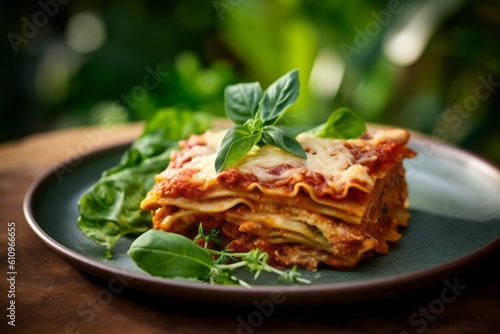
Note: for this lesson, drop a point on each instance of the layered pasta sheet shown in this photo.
(339, 206)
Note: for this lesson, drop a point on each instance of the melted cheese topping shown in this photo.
(331, 159)
(327, 208)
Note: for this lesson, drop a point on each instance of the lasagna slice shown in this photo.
(339, 206)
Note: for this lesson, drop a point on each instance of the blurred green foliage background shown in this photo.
(428, 65)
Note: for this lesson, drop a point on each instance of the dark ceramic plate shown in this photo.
(454, 202)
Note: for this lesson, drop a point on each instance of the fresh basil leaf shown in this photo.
(343, 123)
(278, 96)
(275, 136)
(170, 255)
(242, 101)
(237, 142)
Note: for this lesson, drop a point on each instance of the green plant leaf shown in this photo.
(241, 101)
(343, 123)
(275, 136)
(110, 208)
(278, 96)
(293, 130)
(170, 255)
(175, 123)
(237, 142)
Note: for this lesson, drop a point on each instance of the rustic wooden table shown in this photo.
(51, 296)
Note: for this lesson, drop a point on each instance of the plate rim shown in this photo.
(322, 293)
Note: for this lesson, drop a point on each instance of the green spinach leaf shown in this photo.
(110, 209)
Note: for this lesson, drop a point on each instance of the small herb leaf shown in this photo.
(278, 96)
(242, 101)
(273, 135)
(237, 142)
(343, 123)
(170, 255)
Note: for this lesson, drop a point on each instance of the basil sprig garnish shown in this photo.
(256, 115)
(260, 119)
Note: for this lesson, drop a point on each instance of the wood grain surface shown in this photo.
(51, 296)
